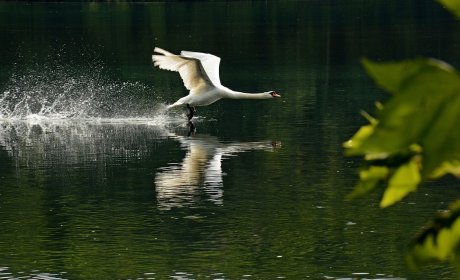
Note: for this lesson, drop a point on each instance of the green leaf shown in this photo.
(452, 5)
(369, 179)
(439, 241)
(442, 140)
(404, 180)
(424, 110)
(452, 167)
(421, 87)
(415, 132)
(356, 141)
(392, 76)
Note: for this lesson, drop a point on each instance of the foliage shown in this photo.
(439, 241)
(452, 5)
(415, 137)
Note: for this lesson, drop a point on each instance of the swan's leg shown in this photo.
(192, 112)
(192, 128)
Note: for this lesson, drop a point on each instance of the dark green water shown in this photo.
(99, 181)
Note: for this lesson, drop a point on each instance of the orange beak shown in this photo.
(276, 95)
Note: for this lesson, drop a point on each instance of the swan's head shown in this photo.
(273, 94)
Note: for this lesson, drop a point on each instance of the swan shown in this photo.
(200, 74)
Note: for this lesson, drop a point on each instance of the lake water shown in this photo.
(99, 181)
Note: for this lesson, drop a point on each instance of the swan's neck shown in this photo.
(242, 95)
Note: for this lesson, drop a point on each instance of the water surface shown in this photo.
(99, 181)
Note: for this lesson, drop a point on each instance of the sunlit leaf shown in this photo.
(438, 242)
(368, 117)
(424, 110)
(404, 180)
(369, 179)
(421, 87)
(452, 167)
(356, 141)
(415, 132)
(452, 5)
(394, 160)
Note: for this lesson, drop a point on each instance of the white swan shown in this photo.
(200, 73)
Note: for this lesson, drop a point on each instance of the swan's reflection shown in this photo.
(181, 184)
(60, 147)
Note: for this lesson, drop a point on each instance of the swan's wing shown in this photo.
(190, 69)
(210, 64)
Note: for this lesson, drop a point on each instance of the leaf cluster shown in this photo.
(439, 241)
(415, 135)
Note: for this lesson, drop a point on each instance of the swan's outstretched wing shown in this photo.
(190, 69)
(210, 64)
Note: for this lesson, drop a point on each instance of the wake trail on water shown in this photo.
(51, 88)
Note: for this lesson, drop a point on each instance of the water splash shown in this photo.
(59, 108)
(60, 88)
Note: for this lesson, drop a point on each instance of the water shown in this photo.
(99, 181)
